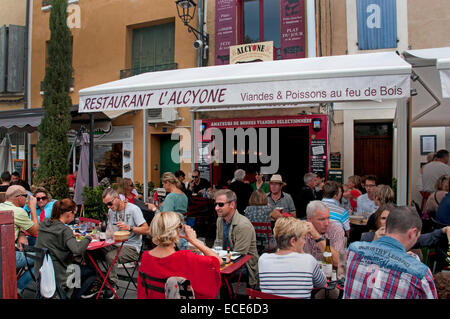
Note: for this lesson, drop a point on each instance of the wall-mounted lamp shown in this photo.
(186, 12)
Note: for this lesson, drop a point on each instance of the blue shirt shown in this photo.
(443, 213)
(226, 231)
(42, 215)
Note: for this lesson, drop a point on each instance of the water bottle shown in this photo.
(204, 193)
(109, 235)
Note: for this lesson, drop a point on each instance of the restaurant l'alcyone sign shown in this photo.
(374, 76)
(277, 92)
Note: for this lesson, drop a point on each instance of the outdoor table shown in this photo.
(98, 245)
(229, 270)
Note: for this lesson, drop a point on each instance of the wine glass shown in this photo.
(218, 245)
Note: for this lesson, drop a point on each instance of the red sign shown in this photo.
(225, 30)
(292, 29)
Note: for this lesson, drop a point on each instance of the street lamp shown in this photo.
(186, 12)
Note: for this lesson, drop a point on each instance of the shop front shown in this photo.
(286, 145)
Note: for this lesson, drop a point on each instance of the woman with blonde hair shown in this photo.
(176, 200)
(126, 188)
(163, 261)
(290, 261)
(384, 194)
(441, 189)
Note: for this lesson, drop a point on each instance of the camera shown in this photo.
(198, 44)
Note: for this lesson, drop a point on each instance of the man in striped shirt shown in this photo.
(332, 193)
(383, 269)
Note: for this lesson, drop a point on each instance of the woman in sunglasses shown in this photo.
(163, 261)
(44, 204)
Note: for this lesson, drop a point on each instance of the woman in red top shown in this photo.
(163, 261)
(351, 190)
(126, 188)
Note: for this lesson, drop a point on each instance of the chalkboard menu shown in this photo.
(19, 167)
(335, 175)
(204, 160)
(335, 160)
(318, 159)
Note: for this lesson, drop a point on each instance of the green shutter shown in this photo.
(153, 46)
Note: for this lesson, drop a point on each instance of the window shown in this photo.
(260, 21)
(153, 48)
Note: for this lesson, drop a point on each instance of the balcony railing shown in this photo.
(152, 68)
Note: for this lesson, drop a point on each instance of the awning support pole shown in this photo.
(144, 152)
(415, 77)
(91, 150)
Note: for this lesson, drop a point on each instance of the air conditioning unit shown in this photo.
(162, 115)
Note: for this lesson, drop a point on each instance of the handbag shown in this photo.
(47, 281)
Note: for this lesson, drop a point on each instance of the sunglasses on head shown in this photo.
(220, 204)
(41, 198)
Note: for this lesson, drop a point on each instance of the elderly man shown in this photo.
(236, 231)
(366, 202)
(435, 169)
(308, 193)
(16, 197)
(332, 193)
(383, 269)
(277, 198)
(242, 190)
(319, 229)
(125, 216)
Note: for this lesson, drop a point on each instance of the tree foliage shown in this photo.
(53, 146)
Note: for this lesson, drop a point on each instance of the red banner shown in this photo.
(292, 29)
(225, 30)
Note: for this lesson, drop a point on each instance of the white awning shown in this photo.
(374, 76)
(431, 106)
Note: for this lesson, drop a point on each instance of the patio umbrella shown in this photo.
(5, 156)
(83, 170)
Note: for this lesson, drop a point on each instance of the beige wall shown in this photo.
(12, 12)
(102, 47)
(428, 23)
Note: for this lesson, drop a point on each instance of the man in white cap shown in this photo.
(280, 199)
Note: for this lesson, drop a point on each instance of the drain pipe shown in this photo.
(27, 88)
(311, 27)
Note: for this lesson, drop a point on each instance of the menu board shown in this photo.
(335, 160)
(19, 167)
(336, 175)
(318, 158)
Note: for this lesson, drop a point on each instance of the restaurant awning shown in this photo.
(374, 76)
(431, 80)
(21, 120)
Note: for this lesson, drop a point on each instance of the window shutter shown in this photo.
(3, 57)
(16, 58)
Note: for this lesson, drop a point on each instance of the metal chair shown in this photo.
(256, 294)
(264, 228)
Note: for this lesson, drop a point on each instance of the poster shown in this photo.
(225, 30)
(251, 52)
(318, 159)
(292, 29)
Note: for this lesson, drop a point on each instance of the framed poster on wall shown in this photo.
(427, 144)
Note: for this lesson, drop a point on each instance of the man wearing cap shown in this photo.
(278, 198)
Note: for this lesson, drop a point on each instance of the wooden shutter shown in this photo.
(16, 58)
(3, 57)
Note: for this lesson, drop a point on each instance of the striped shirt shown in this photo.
(293, 275)
(383, 270)
(337, 213)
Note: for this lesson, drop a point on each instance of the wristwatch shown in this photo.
(131, 228)
(318, 240)
(154, 209)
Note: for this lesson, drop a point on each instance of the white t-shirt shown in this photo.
(431, 172)
(131, 215)
(365, 205)
(293, 275)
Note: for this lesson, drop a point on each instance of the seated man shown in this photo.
(16, 197)
(236, 231)
(198, 184)
(278, 198)
(332, 193)
(366, 202)
(308, 193)
(383, 269)
(125, 216)
(320, 228)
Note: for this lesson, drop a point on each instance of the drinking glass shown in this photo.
(218, 245)
(83, 228)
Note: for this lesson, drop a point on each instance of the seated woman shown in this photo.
(291, 262)
(384, 195)
(258, 210)
(260, 183)
(352, 192)
(60, 240)
(44, 203)
(176, 200)
(433, 201)
(163, 261)
(127, 191)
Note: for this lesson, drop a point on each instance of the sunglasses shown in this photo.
(220, 204)
(41, 198)
(109, 204)
(194, 176)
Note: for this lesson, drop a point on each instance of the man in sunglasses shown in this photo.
(123, 216)
(236, 231)
(198, 184)
(16, 197)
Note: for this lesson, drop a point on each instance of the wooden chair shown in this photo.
(264, 228)
(2, 197)
(256, 294)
